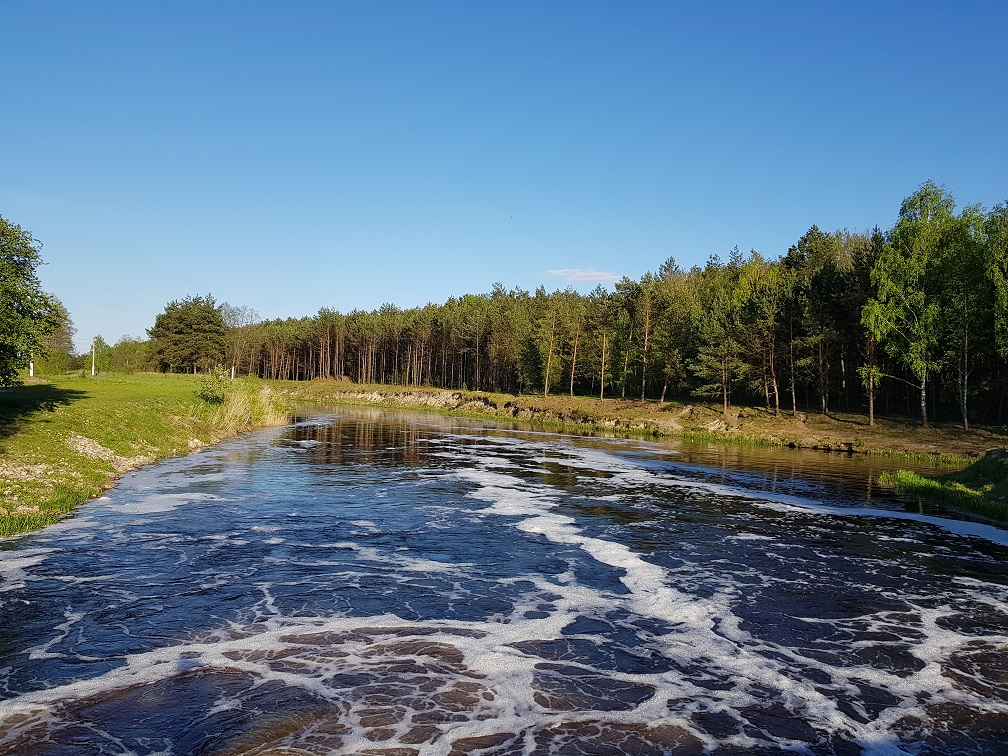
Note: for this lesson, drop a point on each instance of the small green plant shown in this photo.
(214, 387)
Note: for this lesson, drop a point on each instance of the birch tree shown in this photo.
(904, 315)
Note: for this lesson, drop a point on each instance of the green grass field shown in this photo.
(67, 439)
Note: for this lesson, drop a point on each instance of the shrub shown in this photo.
(214, 387)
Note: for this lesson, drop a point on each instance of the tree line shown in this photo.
(910, 321)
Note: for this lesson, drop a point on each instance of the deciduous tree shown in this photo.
(904, 315)
(28, 317)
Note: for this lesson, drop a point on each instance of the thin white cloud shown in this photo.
(584, 275)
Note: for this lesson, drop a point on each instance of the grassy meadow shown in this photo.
(66, 439)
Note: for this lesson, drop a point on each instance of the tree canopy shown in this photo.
(28, 316)
(189, 335)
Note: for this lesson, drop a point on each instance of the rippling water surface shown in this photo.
(375, 583)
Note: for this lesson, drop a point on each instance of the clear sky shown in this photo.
(290, 156)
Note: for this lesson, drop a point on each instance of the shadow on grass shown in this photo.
(20, 404)
(846, 420)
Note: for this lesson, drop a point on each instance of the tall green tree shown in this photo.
(102, 355)
(59, 347)
(904, 315)
(190, 335)
(28, 317)
(718, 365)
(862, 262)
(964, 295)
(761, 295)
(571, 311)
(626, 305)
(678, 307)
(239, 321)
(996, 268)
(599, 320)
(815, 267)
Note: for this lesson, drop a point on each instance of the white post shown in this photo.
(31, 366)
(92, 357)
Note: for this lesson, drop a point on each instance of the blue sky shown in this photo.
(297, 155)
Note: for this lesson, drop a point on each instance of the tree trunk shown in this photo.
(923, 400)
(823, 383)
(601, 394)
(647, 326)
(1001, 396)
(963, 381)
(843, 381)
(577, 333)
(476, 382)
(626, 365)
(962, 401)
(549, 357)
(766, 382)
(773, 379)
(794, 397)
(871, 399)
(724, 385)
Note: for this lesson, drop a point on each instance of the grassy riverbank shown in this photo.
(65, 440)
(981, 488)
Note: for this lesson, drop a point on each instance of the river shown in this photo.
(371, 582)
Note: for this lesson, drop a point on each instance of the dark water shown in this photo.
(393, 584)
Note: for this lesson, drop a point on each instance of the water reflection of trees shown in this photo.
(360, 440)
(363, 436)
(848, 475)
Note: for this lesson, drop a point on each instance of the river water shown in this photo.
(385, 583)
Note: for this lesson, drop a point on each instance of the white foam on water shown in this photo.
(585, 458)
(632, 477)
(482, 678)
(166, 502)
(13, 566)
(63, 630)
(751, 537)
(708, 633)
(399, 560)
(484, 669)
(463, 666)
(965, 528)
